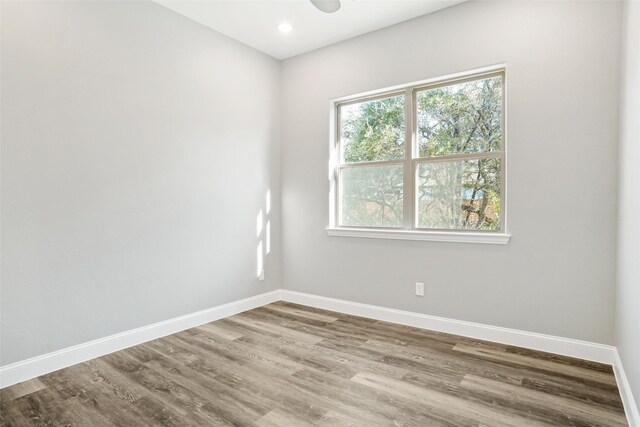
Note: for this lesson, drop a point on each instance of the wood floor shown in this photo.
(289, 365)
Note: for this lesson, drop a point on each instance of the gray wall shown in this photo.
(628, 307)
(137, 148)
(557, 274)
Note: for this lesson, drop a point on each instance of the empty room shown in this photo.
(320, 213)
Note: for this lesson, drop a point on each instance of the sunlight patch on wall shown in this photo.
(268, 238)
(259, 223)
(263, 232)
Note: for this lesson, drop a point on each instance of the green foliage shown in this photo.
(463, 118)
(459, 194)
(373, 130)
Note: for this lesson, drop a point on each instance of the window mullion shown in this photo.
(409, 165)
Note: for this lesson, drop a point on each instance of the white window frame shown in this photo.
(410, 230)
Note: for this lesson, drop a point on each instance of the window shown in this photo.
(422, 161)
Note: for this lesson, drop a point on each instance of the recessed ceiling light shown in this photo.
(285, 27)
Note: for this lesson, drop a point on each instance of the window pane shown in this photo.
(459, 195)
(373, 130)
(372, 196)
(461, 118)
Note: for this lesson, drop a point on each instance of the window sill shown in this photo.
(433, 236)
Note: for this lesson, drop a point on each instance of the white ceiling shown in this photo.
(255, 22)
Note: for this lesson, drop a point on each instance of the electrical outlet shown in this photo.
(261, 275)
(419, 289)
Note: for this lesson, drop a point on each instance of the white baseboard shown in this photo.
(40, 365)
(541, 342)
(630, 407)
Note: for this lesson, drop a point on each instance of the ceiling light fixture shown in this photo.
(285, 27)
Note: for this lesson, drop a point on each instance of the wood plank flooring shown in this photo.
(290, 365)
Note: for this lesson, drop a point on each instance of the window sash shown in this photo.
(460, 157)
(363, 100)
(412, 160)
(360, 166)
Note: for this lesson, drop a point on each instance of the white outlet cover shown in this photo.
(419, 289)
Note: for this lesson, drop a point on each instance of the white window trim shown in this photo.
(408, 233)
(432, 236)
